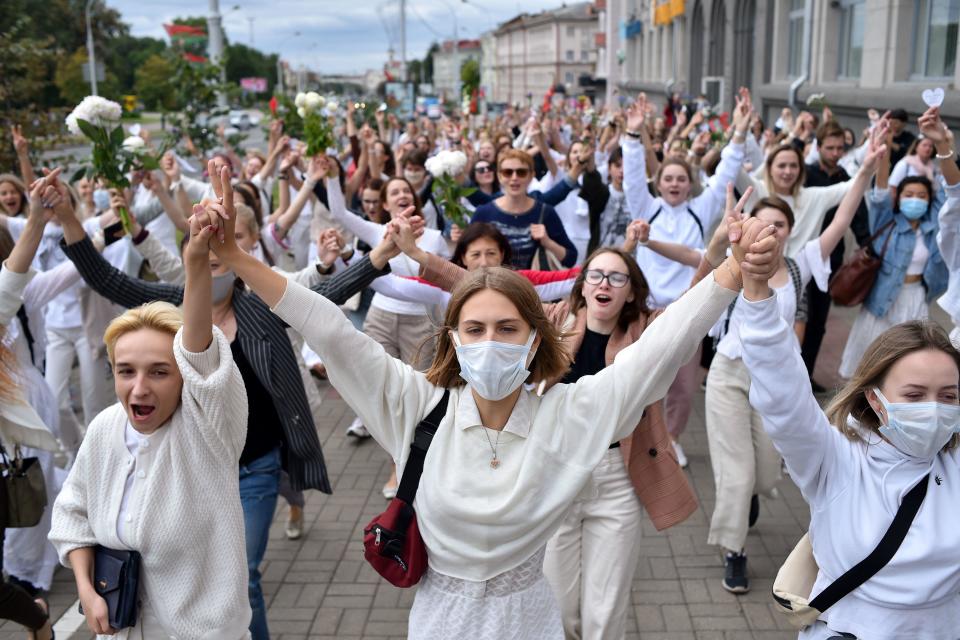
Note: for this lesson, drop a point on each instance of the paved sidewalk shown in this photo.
(320, 588)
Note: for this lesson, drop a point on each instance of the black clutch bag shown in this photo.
(116, 579)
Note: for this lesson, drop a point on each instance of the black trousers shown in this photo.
(818, 308)
(15, 603)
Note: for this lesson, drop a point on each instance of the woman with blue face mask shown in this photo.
(891, 428)
(506, 461)
(905, 228)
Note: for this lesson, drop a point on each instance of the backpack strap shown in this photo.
(422, 437)
(794, 270)
(881, 555)
(689, 210)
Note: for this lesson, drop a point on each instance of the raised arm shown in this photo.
(639, 201)
(367, 231)
(709, 204)
(197, 291)
(170, 206)
(44, 197)
(638, 233)
(22, 146)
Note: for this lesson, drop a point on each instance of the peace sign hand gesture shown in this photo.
(219, 213)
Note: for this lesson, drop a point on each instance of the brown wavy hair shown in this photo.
(550, 360)
(889, 347)
(632, 310)
(768, 163)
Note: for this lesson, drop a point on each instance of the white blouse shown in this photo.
(476, 521)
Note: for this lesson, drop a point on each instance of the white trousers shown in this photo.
(95, 390)
(743, 457)
(591, 560)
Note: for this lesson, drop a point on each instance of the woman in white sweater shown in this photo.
(895, 422)
(171, 444)
(506, 462)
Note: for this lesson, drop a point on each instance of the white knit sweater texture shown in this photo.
(189, 525)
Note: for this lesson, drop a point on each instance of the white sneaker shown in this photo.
(357, 430)
(681, 458)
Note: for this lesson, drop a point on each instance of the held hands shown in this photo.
(329, 245)
(756, 251)
(45, 197)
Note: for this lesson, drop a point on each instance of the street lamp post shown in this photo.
(91, 59)
(215, 46)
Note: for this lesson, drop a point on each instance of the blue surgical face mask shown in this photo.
(494, 369)
(919, 429)
(913, 208)
(101, 199)
(222, 286)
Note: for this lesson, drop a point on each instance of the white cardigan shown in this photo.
(189, 524)
(478, 522)
(854, 489)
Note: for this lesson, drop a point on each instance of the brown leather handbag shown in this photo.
(854, 279)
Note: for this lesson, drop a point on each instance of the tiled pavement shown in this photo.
(320, 588)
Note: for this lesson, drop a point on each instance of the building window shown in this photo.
(795, 38)
(584, 55)
(852, 18)
(935, 38)
(570, 57)
(568, 78)
(570, 32)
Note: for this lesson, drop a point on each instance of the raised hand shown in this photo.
(876, 146)
(733, 217)
(637, 113)
(45, 197)
(20, 144)
(931, 126)
(329, 245)
(170, 168)
(222, 212)
(743, 111)
(319, 168)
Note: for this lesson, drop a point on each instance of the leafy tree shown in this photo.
(242, 61)
(194, 93)
(152, 84)
(73, 88)
(126, 54)
(470, 76)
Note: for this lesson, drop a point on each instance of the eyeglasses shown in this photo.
(485, 168)
(615, 278)
(521, 173)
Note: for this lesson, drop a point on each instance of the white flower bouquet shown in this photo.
(113, 156)
(315, 112)
(446, 168)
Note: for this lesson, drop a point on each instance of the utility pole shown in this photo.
(91, 55)
(403, 38)
(215, 46)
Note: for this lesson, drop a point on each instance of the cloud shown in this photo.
(334, 36)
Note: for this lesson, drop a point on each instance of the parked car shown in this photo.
(241, 120)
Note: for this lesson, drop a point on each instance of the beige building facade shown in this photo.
(533, 52)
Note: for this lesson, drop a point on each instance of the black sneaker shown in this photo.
(735, 578)
(754, 510)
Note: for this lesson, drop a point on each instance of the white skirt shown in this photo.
(515, 605)
(910, 304)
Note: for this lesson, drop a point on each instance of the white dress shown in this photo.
(910, 304)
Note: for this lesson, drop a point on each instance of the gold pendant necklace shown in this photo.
(494, 461)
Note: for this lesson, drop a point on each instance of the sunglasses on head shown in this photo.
(522, 172)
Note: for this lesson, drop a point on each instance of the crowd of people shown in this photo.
(561, 333)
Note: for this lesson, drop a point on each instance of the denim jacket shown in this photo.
(900, 251)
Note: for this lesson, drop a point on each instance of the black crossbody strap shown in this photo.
(879, 557)
(422, 437)
(696, 219)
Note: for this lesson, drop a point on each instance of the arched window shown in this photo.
(718, 32)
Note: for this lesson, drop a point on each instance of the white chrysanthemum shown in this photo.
(300, 100)
(133, 143)
(332, 106)
(302, 112)
(456, 162)
(313, 101)
(98, 111)
(434, 166)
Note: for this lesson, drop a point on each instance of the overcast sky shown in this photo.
(334, 36)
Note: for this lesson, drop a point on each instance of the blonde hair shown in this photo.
(551, 359)
(245, 215)
(159, 316)
(888, 348)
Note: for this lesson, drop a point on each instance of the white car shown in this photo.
(241, 120)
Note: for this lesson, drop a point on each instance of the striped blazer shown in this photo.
(263, 340)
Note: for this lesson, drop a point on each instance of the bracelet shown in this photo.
(945, 156)
(738, 281)
(643, 243)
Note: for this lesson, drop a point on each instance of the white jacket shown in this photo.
(854, 489)
(189, 524)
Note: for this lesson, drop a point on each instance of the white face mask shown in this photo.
(494, 369)
(222, 286)
(919, 429)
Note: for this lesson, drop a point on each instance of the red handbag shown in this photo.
(391, 542)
